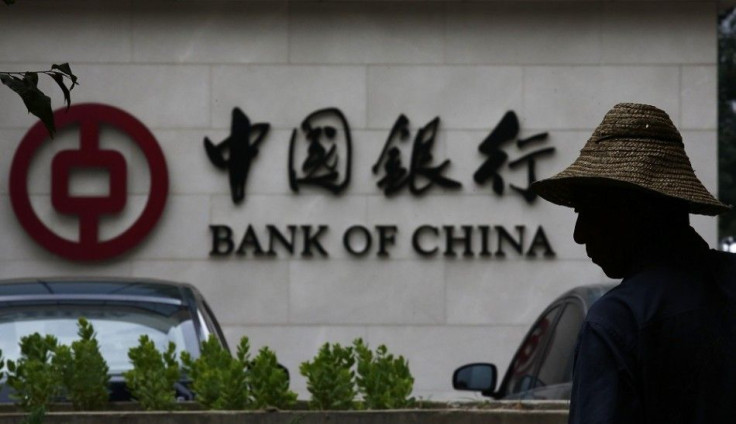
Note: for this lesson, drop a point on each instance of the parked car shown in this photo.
(120, 310)
(542, 365)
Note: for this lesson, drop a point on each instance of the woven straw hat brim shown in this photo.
(660, 167)
(636, 146)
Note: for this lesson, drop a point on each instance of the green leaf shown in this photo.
(9, 2)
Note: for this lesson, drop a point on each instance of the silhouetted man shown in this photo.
(661, 346)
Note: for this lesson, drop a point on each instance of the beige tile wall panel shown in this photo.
(513, 287)
(253, 293)
(285, 95)
(577, 97)
(523, 33)
(651, 32)
(365, 288)
(66, 31)
(699, 88)
(210, 32)
(160, 96)
(394, 33)
(467, 97)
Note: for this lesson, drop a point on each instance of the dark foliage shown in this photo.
(727, 119)
(25, 84)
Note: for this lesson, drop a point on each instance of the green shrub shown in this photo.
(330, 378)
(236, 394)
(384, 381)
(35, 378)
(154, 374)
(36, 416)
(85, 374)
(269, 382)
(219, 381)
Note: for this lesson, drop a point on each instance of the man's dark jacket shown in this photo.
(661, 346)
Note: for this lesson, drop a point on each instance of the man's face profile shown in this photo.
(606, 227)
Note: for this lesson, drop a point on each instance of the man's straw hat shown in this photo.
(635, 146)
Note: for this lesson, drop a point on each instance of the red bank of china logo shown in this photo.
(89, 118)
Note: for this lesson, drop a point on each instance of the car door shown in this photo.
(521, 374)
(542, 368)
(556, 366)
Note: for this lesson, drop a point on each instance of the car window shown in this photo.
(523, 368)
(118, 327)
(212, 323)
(556, 364)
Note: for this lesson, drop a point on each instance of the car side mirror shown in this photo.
(286, 370)
(479, 377)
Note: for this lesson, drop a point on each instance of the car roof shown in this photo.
(93, 288)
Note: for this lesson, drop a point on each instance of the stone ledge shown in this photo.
(447, 416)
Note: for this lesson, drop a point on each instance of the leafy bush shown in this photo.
(330, 378)
(219, 380)
(154, 374)
(36, 416)
(269, 382)
(35, 378)
(384, 382)
(85, 374)
(46, 370)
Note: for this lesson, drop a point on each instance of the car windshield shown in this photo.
(118, 326)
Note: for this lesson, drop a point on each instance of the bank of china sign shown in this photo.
(320, 156)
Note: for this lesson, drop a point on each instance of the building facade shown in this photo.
(367, 165)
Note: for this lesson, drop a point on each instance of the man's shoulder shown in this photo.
(615, 311)
(612, 318)
(627, 306)
(665, 291)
